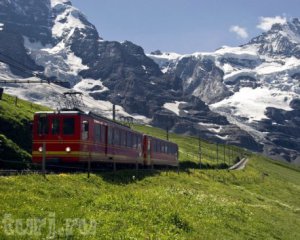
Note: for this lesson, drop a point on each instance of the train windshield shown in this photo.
(55, 126)
(68, 126)
(43, 125)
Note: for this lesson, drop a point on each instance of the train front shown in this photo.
(56, 137)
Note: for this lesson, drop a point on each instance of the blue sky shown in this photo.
(184, 26)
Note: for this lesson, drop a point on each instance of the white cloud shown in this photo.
(240, 31)
(266, 23)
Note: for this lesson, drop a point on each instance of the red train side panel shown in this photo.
(73, 136)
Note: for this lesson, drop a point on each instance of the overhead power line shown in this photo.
(25, 69)
(30, 81)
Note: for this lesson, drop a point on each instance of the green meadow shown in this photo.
(261, 201)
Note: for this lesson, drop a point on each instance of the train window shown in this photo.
(103, 133)
(43, 125)
(123, 138)
(173, 150)
(157, 147)
(55, 126)
(134, 141)
(140, 142)
(110, 135)
(117, 137)
(137, 141)
(68, 126)
(162, 147)
(98, 133)
(85, 130)
(128, 134)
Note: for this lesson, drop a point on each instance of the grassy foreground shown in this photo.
(260, 202)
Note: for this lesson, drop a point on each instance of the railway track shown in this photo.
(13, 172)
(240, 165)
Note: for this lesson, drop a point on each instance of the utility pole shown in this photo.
(89, 164)
(44, 160)
(199, 152)
(217, 153)
(114, 112)
(167, 136)
(224, 153)
(1, 92)
(212, 152)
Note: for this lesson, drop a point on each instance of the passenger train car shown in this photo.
(76, 136)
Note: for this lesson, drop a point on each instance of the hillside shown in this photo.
(15, 133)
(260, 202)
(15, 128)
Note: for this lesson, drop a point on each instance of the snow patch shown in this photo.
(58, 61)
(173, 107)
(166, 60)
(67, 21)
(90, 85)
(166, 56)
(222, 137)
(231, 77)
(287, 64)
(211, 127)
(57, 2)
(246, 52)
(141, 118)
(252, 103)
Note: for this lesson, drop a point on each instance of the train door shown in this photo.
(145, 140)
(149, 152)
(106, 139)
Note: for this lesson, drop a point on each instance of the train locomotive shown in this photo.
(74, 136)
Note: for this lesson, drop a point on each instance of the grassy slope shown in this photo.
(15, 131)
(189, 147)
(260, 202)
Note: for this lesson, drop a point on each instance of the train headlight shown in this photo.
(68, 149)
(40, 149)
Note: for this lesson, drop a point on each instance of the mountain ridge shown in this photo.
(192, 94)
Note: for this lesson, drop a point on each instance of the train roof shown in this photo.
(58, 112)
(94, 115)
(80, 112)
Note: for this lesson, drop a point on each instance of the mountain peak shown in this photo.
(281, 40)
(57, 2)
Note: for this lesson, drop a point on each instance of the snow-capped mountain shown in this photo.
(243, 95)
(256, 87)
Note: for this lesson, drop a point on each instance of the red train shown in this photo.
(75, 136)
